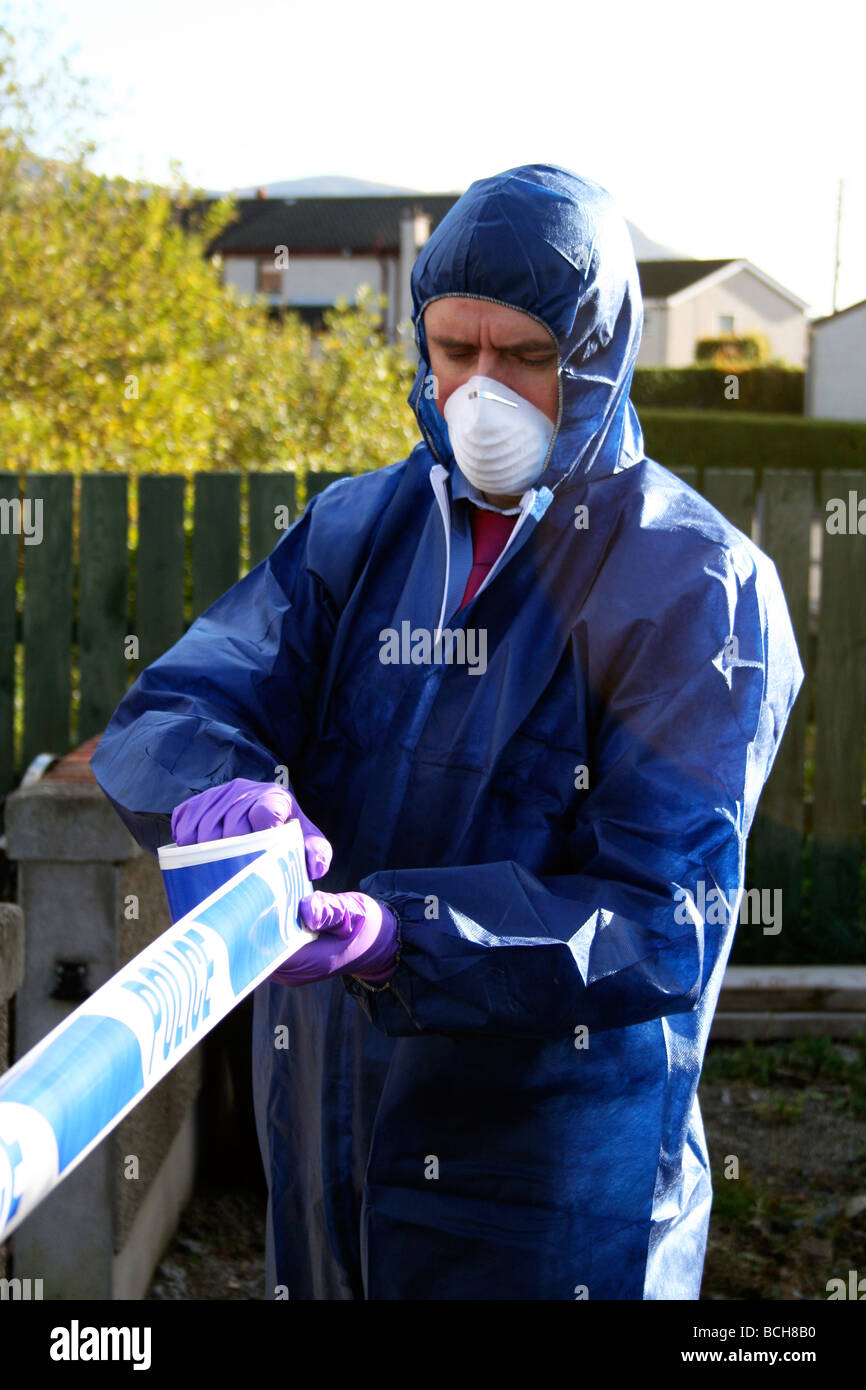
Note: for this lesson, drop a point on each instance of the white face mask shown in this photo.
(499, 439)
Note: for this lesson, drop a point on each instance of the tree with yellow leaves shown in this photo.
(120, 348)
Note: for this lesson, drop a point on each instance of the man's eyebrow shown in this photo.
(530, 345)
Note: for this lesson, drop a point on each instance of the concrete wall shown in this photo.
(755, 308)
(836, 377)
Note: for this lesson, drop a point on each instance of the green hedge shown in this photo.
(729, 439)
(771, 388)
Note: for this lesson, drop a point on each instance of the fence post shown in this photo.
(840, 699)
(776, 845)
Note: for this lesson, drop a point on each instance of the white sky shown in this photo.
(720, 129)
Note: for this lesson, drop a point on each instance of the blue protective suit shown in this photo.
(458, 1134)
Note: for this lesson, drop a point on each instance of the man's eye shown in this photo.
(527, 361)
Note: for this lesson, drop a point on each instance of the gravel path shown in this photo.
(218, 1252)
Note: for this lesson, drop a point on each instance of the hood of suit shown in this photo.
(543, 240)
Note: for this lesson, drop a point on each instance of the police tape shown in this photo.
(70, 1090)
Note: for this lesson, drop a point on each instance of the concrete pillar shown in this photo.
(92, 899)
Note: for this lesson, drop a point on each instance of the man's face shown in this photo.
(472, 337)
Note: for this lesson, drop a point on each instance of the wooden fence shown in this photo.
(63, 625)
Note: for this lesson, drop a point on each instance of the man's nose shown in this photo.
(488, 363)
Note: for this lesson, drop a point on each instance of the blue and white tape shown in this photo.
(69, 1091)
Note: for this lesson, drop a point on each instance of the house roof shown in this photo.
(326, 224)
(309, 225)
(659, 279)
(829, 318)
(699, 276)
(371, 225)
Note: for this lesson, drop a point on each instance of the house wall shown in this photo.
(835, 387)
(323, 279)
(653, 343)
(310, 279)
(756, 308)
(240, 271)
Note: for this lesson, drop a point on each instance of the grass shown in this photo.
(801, 1063)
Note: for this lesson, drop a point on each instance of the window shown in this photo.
(726, 323)
(269, 280)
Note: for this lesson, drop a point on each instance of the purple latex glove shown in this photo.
(358, 936)
(238, 808)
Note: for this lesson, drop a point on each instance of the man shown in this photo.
(491, 1094)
